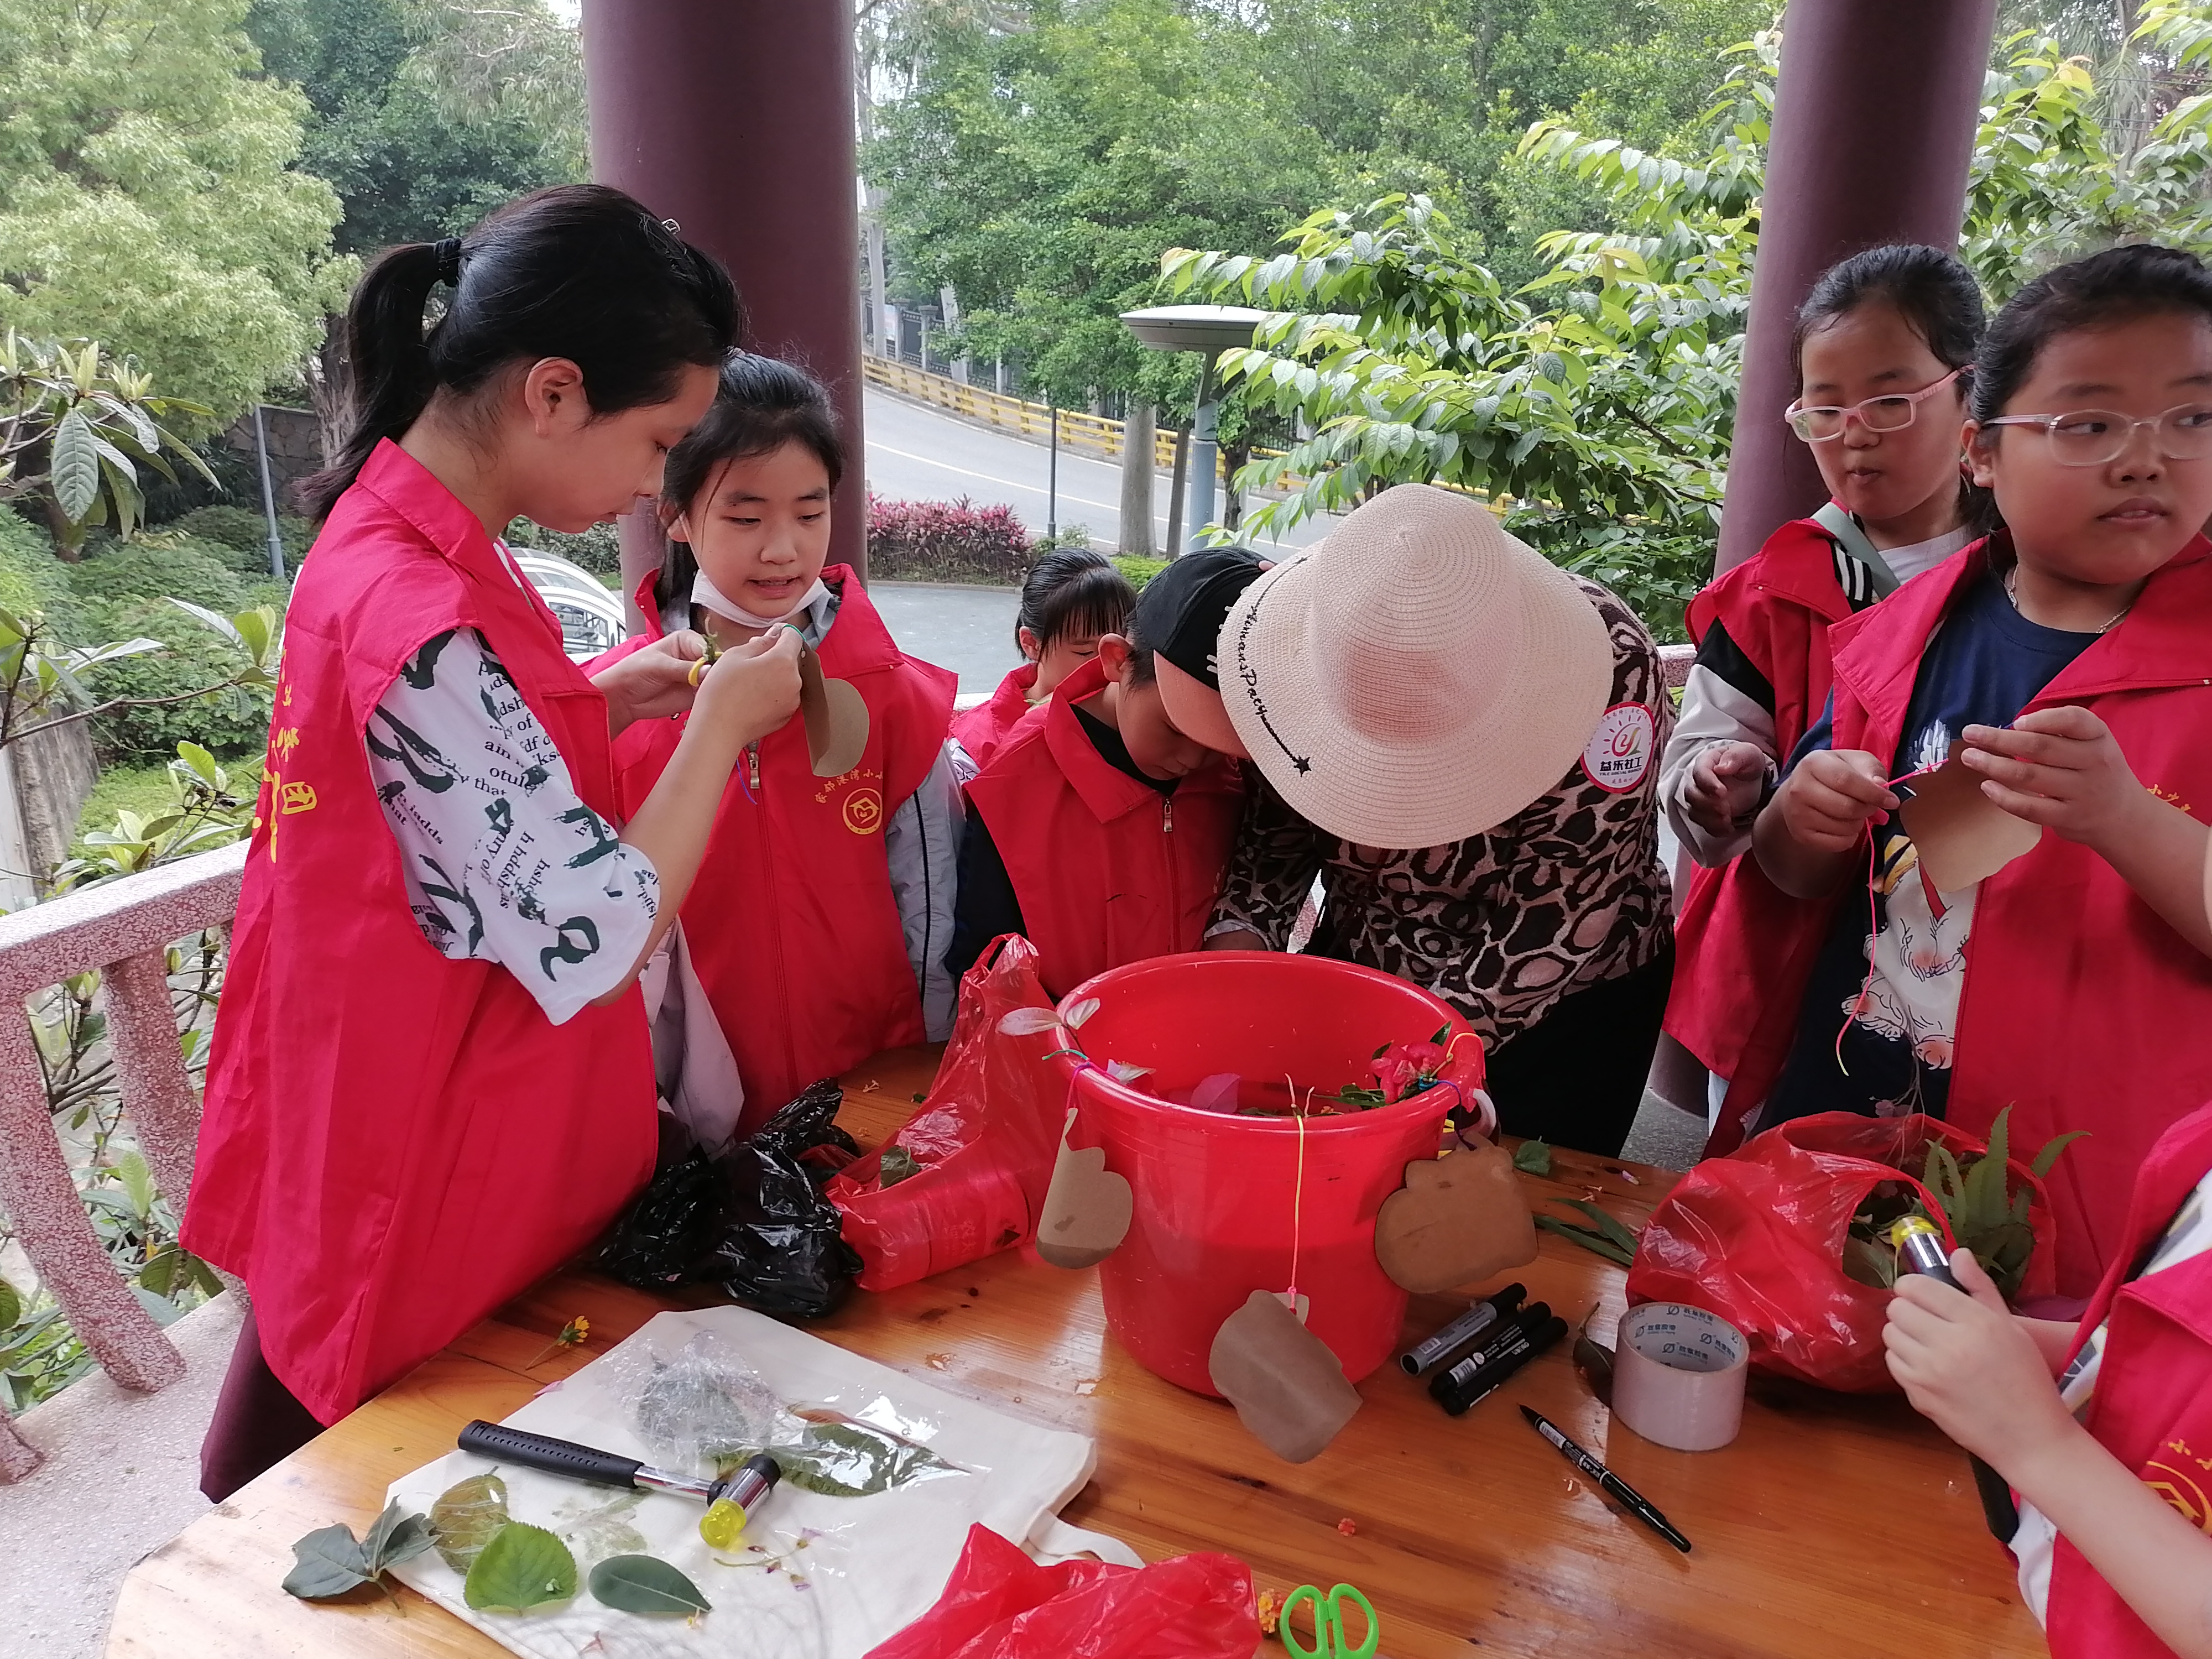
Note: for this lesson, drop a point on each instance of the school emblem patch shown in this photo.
(863, 811)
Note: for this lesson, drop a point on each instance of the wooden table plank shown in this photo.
(1832, 1527)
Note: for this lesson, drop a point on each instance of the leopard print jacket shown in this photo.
(1502, 926)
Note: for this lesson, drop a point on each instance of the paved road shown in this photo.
(970, 630)
(920, 454)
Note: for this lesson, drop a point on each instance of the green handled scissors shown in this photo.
(1328, 1624)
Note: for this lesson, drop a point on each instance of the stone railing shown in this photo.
(125, 929)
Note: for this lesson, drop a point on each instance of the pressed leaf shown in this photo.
(466, 1517)
(1028, 1022)
(1596, 1242)
(523, 1567)
(851, 1459)
(607, 1530)
(898, 1165)
(395, 1537)
(1080, 1013)
(639, 1584)
(327, 1562)
(1533, 1157)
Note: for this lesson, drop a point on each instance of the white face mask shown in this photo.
(703, 592)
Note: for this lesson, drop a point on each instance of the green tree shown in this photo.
(149, 196)
(1596, 403)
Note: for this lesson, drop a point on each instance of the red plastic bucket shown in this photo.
(1212, 1191)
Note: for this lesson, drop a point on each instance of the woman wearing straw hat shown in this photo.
(1460, 739)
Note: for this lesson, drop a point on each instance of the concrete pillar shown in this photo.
(1874, 127)
(1138, 467)
(734, 117)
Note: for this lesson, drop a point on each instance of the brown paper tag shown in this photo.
(1456, 1219)
(1959, 834)
(836, 718)
(1086, 1208)
(1288, 1388)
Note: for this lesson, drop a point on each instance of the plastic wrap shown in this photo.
(984, 1141)
(999, 1604)
(1758, 1237)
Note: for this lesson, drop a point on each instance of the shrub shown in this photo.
(242, 536)
(234, 723)
(597, 549)
(946, 541)
(156, 567)
(1138, 568)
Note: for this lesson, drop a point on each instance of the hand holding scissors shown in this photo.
(1328, 1624)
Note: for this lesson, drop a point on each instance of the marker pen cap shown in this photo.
(1509, 1335)
(1479, 1317)
(1482, 1383)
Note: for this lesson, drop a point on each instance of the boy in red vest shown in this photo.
(1100, 829)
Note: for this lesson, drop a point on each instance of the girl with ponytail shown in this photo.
(430, 1082)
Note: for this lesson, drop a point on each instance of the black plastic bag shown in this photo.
(754, 1221)
(781, 1248)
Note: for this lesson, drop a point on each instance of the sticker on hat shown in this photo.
(835, 715)
(1619, 753)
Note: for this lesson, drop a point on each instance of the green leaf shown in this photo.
(11, 1306)
(75, 466)
(610, 1529)
(849, 1459)
(1612, 1228)
(898, 1165)
(396, 1536)
(327, 1562)
(2052, 1148)
(466, 1517)
(200, 761)
(523, 1567)
(1597, 1243)
(639, 1584)
(1533, 1157)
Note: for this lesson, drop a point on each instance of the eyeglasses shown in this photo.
(2092, 437)
(1891, 412)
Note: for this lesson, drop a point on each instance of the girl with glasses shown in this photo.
(2066, 663)
(1884, 348)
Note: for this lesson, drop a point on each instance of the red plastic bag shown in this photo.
(999, 1604)
(984, 1139)
(1758, 1237)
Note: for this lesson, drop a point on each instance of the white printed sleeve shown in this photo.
(504, 863)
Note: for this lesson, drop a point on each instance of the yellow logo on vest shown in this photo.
(863, 811)
(298, 798)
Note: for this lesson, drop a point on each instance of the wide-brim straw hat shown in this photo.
(1418, 678)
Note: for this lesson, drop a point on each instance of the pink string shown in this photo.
(1297, 1195)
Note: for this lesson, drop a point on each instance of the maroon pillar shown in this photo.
(734, 117)
(1874, 127)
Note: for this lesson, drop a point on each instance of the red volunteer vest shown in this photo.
(981, 730)
(791, 922)
(393, 1144)
(1106, 870)
(2152, 1408)
(2081, 1008)
(1777, 605)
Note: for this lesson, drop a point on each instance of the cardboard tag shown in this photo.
(835, 715)
(1456, 1219)
(1959, 834)
(1086, 1208)
(1288, 1388)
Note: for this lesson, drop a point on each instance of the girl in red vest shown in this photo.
(1070, 600)
(1100, 830)
(429, 1085)
(1883, 345)
(2112, 1468)
(820, 916)
(2067, 662)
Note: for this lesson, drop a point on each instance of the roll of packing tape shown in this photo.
(1678, 1375)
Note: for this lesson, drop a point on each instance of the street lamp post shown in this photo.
(1206, 330)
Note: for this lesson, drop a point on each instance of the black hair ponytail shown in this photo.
(762, 405)
(2117, 285)
(579, 271)
(1072, 592)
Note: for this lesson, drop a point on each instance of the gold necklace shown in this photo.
(2011, 593)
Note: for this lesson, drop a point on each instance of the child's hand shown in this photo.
(753, 690)
(652, 684)
(2058, 766)
(1968, 1366)
(1825, 802)
(1725, 782)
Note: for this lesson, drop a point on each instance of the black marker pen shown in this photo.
(1479, 1318)
(1477, 1376)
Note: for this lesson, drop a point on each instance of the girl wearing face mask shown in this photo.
(1885, 345)
(430, 1082)
(823, 906)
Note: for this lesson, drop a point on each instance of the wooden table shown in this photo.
(1833, 1527)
